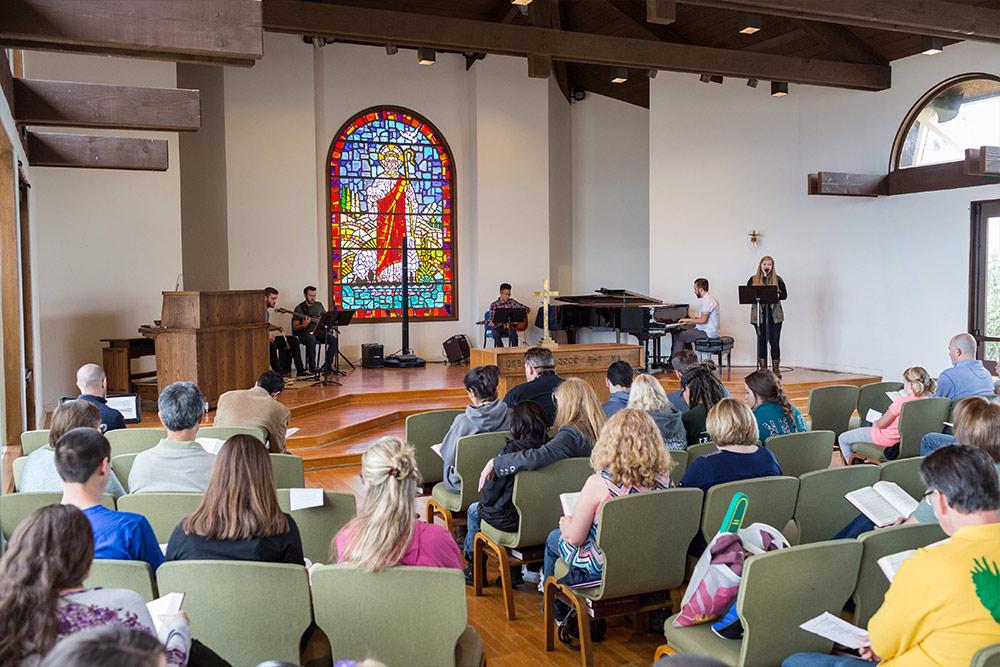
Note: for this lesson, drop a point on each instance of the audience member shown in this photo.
(932, 442)
(258, 407)
(579, 419)
(680, 361)
(619, 382)
(967, 375)
(917, 384)
(648, 395)
(700, 390)
(111, 645)
(42, 598)
(39, 474)
(942, 606)
(732, 428)
(178, 463)
(540, 371)
(775, 415)
(485, 414)
(93, 386)
(386, 531)
(82, 459)
(239, 518)
(496, 506)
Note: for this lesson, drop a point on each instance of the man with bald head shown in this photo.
(93, 385)
(967, 375)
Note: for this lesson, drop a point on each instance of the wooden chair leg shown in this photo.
(434, 507)
(549, 613)
(583, 625)
(478, 566)
(505, 583)
(662, 651)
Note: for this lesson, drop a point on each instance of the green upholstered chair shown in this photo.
(536, 497)
(702, 448)
(226, 432)
(32, 440)
(799, 453)
(163, 510)
(906, 473)
(17, 468)
(423, 430)
(772, 501)
(14, 507)
(133, 575)
(389, 626)
(246, 611)
(471, 454)
(830, 408)
(872, 396)
(680, 458)
(289, 471)
(643, 560)
(821, 511)
(318, 525)
(872, 582)
(987, 657)
(779, 591)
(134, 440)
(122, 466)
(916, 419)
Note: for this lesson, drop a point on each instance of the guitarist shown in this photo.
(304, 328)
(509, 330)
(284, 349)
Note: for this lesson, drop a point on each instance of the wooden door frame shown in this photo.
(978, 267)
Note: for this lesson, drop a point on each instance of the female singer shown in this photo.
(769, 327)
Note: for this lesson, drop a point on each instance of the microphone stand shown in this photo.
(406, 358)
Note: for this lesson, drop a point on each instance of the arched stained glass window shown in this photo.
(392, 178)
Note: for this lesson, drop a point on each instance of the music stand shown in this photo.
(506, 316)
(344, 318)
(760, 295)
(327, 321)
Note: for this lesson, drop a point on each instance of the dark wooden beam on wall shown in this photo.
(663, 12)
(96, 152)
(67, 103)
(406, 29)
(841, 41)
(539, 67)
(937, 18)
(848, 185)
(214, 31)
(932, 177)
(6, 80)
(989, 160)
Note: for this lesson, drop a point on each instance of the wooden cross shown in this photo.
(546, 294)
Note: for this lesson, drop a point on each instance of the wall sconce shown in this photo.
(755, 237)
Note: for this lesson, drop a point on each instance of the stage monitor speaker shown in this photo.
(372, 355)
(456, 349)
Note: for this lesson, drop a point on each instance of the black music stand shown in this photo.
(327, 321)
(760, 295)
(344, 318)
(506, 316)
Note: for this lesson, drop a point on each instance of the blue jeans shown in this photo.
(823, 660)
(500, 331)
(552, 554)
(861, 524)
(474, 522)
(934, 441)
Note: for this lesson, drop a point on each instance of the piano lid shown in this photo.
(611, 298)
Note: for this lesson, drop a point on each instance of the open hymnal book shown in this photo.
(873, 416)
(890, 564)
(569, 501)
(837, 630)
(884, 503)
(167, 605)
(893, 395)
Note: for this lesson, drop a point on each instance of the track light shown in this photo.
(391, 49)
(619, 75)
(715, 78)
(577, 94)
(317, 41)
(779, 89)
(520, 3)
(931, 45)
(752, 82)
(705, 78)
(749, 23)
(651, 73)
(426, 56)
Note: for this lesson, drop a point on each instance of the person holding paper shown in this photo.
(884, 432)
(942, 606)
(767, 324)
(773, 411)
(258, 407)
(239, 517)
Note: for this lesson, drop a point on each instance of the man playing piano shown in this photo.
(508, 329)
(706, 323)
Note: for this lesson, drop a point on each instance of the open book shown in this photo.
(837, 630)
(893, 395)
(167, 605)
(569, 501)
(883, 502)
(890, 564)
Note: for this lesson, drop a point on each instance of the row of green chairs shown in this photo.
(249, 612)
(796, 453)
(135, 440)
(916, 419)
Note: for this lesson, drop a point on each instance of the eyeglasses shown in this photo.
(927, 493)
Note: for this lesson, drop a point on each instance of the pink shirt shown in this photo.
(432, 546)
(889, 435)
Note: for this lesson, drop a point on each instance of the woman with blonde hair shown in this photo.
(386, 531)
(239, 517)
(884, 432)
(648, 395)
(734, 431)
(767, 322)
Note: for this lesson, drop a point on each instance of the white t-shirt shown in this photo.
(710, 306)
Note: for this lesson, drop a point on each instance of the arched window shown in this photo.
(392, 178)
(960, 113)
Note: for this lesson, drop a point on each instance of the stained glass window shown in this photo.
(392, 182)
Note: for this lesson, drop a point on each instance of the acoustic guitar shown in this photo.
(521, 326)
(302, 316)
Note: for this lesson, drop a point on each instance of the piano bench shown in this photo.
(717, 347)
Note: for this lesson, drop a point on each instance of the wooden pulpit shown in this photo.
(218, 340)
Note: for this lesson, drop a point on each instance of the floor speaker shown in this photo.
(372, 355)
(456, 349)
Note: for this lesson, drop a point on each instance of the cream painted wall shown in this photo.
(560, 190)
(104, 243)
(874, 284)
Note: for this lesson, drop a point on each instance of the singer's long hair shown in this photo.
(772, 279)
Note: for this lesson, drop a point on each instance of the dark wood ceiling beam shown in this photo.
(663, 12)
(96, 152)
(841, 41)
(6, 80)
(848, 185)
(634, 13)
(406, 29)
(67, 103)
(937, 18)
(982, 161)
(539, 67)
(562, 74)
(214, 31)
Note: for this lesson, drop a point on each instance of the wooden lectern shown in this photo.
(218, 340)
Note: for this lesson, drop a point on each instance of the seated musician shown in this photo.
(284, 349)
(507, 329)
(304, 322)
(706, 323)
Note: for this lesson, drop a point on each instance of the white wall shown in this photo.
(874, 284)
(104, 243)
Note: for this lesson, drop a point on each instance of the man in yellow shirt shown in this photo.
(944, 603)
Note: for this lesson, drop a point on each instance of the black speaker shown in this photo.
(372, 355)
(456, 349)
